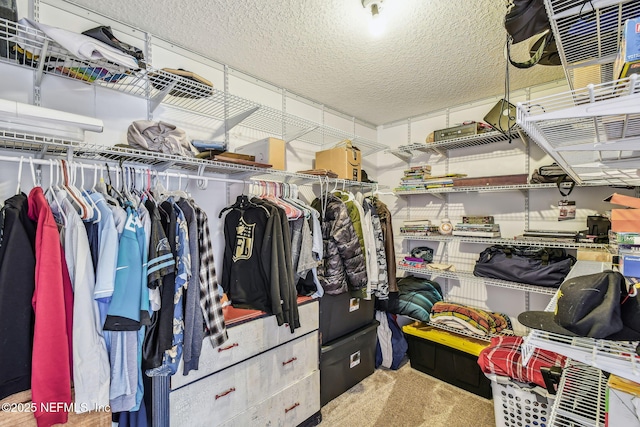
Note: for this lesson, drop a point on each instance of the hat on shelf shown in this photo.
(186, 84)
(594, 306)
(364, 177)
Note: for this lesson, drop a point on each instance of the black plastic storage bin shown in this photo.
(448, 364)
(341, 314)
(347, 361)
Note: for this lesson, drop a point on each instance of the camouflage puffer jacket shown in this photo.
(342, 269)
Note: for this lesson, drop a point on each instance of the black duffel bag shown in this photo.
(525, 264)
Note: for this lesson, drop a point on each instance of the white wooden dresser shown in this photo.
(263, 375)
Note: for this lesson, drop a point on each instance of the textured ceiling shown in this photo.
(433, 54)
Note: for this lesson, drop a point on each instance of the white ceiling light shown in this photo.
(377, 22)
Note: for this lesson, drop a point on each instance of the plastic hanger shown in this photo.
(19, 175)
(51, 191)
(96, 211)
(242, 203)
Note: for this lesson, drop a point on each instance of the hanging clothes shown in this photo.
(387, 232)
(17, 260)
(193, 316)
(210, 298)
(53, 307)
(91, 370)
(161, 264)
(343, 266)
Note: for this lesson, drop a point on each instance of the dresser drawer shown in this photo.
(222, 395)
(227, 393)
(247, 340)
(290, 407)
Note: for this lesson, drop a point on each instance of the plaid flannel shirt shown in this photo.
(503, 357)
(209, 295)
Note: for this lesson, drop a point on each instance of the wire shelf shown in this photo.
(581, 398)
(24, 46)
(592, 133)
(467, 275)
(465, 332)
(483, 189)
(56, 147)
(405, 152)
(503, 241)
(588, 37)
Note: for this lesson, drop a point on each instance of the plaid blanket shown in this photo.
(503, 357)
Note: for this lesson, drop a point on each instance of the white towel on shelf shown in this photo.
(84, 47)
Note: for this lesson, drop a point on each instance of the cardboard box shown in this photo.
(592, 254)
(346, 161)
(625, 219)
(623, 396)
(628, 59)
(269, 150)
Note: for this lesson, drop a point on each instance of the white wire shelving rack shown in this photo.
(483, 189)
(406, 152)
(162, 87)
(588, 36)
(502, 241)
(593, 130)
(581, 398)
(42, 146)
(468, 276)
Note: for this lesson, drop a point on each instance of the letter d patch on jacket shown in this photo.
(244, 240)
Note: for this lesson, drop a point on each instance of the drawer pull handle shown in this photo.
(293, 359)
(292, 408)
(229, 347)
(231, 390)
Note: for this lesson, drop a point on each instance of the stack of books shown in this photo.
(418, 227)
(414, 177)
(420, 178)
(476, 230)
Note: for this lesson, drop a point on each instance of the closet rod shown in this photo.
(135, 168)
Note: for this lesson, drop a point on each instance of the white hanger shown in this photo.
(96, 211)
(33, 173)
(51, 190)
(19, 175)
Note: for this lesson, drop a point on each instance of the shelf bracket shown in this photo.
(161, 167)
(234, 121)
(155, 101)
(438, 195)
(289, 138)
(43, 55)
(524, 138)
(403, 155)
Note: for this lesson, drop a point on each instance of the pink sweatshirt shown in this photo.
(53, 306)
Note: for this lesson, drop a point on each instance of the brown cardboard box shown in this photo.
(269, 150)
(625, 219)
(346, 161)
(593, 254)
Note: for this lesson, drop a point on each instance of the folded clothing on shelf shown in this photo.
(504, 357)
(192, 86)
(320, 172)
(417, 296)
(474, 320)
(161, 137)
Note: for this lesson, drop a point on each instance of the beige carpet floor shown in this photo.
(407, 398)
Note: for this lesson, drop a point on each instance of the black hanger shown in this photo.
(243, 202)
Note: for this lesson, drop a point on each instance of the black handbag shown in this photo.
(552, 173)
(525, 264)
(526, 19)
